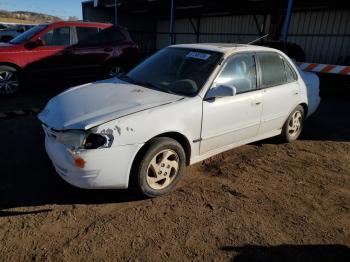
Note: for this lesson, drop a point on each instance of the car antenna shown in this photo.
(258, 39)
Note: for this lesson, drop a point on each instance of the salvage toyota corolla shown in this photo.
(180, 106)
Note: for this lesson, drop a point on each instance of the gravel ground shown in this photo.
(260, 202)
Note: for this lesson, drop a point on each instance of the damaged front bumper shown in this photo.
(103, 168)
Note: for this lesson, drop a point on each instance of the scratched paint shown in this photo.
(118, 129)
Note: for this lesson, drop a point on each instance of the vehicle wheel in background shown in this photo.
(294, 125)
(160, 168)
(9, 80)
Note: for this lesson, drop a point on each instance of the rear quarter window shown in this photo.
(112, 36)
(96, 36)
(291, 75)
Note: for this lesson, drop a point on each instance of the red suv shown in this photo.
(65, 49)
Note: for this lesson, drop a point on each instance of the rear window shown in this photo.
(84, 33)
(115, 35)
(272, 70)
(108, 36)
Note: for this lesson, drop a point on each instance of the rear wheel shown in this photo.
(294, 125)
(161, 167)
(9, 80)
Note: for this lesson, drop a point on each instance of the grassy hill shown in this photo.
(26, 17)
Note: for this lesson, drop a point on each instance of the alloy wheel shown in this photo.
(162, 169)
(295, 124)
(9, 82)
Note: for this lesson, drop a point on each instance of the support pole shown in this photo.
(198, 29)
(171, 29)
(115, 12)
(287, 21)
(258, 26)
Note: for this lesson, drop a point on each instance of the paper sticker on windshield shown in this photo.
(197, 55)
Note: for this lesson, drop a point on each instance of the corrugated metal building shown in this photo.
(321, 28)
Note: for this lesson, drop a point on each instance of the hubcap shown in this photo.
(115, 71)
(162, 169)
(8, 82)
(294, 125)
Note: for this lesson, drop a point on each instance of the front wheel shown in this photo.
(9, 80)
(161, 167)
(294, 125)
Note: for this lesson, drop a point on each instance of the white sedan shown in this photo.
(182, 105)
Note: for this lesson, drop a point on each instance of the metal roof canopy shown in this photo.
(196, 8)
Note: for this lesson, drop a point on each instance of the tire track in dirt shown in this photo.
(212, 200)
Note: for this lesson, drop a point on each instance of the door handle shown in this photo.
(67, 52)
(256, 103)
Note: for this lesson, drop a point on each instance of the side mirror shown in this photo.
(220, 91)
(34, 44)
(39, 42)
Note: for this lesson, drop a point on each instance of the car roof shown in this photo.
(77, 23)
(225, 48)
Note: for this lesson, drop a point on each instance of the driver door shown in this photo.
(233, 119)
(50, 59)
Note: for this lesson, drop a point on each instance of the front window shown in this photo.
(57, 37)
(239, 72)
(26, 36)
(175, 70)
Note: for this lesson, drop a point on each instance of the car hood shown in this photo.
(5, 45)
(90, 105)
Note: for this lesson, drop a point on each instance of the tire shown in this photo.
(9, 80)
(155, 176)
(294, 125)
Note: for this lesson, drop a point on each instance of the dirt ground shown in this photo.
(261, 202)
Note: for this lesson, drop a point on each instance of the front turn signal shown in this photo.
(79, 162)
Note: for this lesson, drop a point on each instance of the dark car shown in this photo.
(7, 33)
(64, 50)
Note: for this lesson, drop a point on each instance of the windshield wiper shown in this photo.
(157, 87)
(125, 78)
(148, 84)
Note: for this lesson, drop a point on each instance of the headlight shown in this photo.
(85, 140)
(72, 139)
(94, 141)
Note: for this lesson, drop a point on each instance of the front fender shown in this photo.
(182, 117)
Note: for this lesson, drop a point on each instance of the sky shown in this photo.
(60, 8)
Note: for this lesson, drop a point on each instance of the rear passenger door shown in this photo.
(92, 50)
(281, 92)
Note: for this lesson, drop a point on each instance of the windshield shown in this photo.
(181, 71)
(26, 36)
